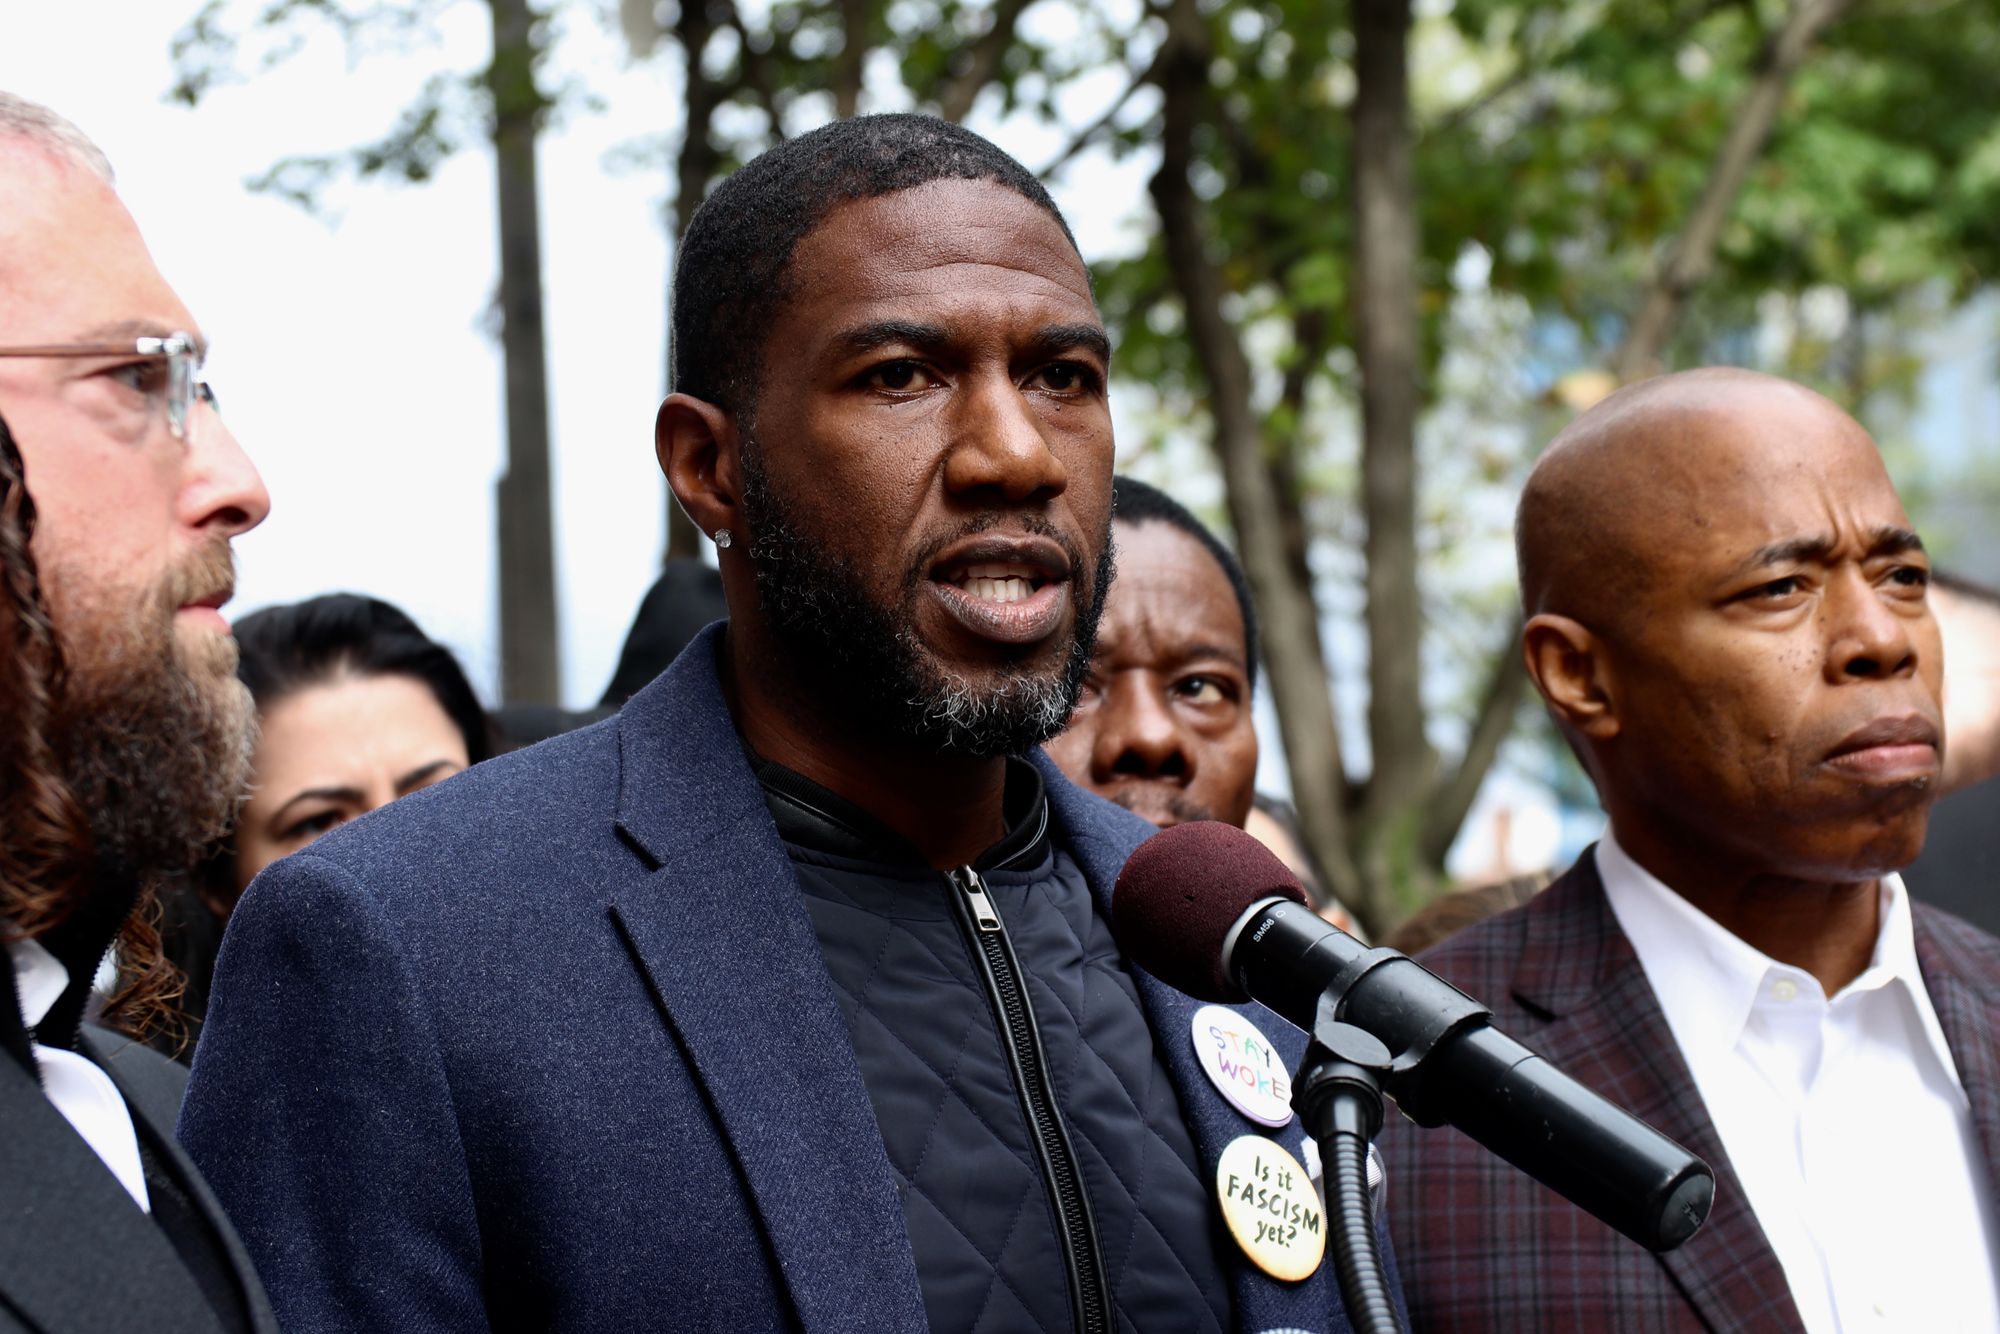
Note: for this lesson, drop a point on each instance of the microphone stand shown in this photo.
(1338, 1096)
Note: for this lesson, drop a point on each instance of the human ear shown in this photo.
(696, 443)
(1567, 663)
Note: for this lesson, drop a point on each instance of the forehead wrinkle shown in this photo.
(1190, 652)
(901, 238)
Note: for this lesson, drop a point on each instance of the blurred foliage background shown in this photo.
(1390, 248)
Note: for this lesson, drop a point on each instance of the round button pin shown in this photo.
(1271, 1208)
(1244, 1067)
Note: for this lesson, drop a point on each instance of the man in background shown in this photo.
(1163, 725)
(1729, 621)
(126, 742)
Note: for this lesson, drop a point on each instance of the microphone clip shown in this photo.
(1339, 1085)
(1338, 1096)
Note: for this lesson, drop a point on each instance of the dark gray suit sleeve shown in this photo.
(320, 1112)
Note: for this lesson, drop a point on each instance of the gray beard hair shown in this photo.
(954, 709)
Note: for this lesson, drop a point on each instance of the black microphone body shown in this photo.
(1452, 1067)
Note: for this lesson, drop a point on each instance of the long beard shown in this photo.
(865, 659)
(156, 732)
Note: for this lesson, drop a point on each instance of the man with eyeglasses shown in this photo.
(133, 490)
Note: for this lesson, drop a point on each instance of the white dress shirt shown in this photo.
(1845, 1119)
(82, 1092)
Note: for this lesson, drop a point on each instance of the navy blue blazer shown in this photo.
(551, 1046)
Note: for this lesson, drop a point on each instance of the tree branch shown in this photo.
(1693, 255)
(756, 68)
(981, 61)
(1309, 339)
(1084, 137)
(1499, 702)
(850, 66)
(1531, 65)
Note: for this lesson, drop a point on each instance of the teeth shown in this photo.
(995, 571)
(997, 590)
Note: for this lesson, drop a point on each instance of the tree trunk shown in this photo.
(692, 168)
(530, 647)
(1693, 255)
(1506, 684)
(1290, 627)
(1388, 351)
(850, 67)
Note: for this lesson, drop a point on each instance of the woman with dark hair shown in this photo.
(356, 706)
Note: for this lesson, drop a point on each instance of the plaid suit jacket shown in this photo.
(1485, 1247)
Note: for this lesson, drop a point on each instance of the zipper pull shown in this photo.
(974, 889)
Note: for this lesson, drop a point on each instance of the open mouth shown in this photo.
(1000, 582)
(1012, 590)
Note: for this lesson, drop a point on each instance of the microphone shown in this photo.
(1209, 910)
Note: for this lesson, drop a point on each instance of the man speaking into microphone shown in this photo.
(786, 998)
(1727, 618)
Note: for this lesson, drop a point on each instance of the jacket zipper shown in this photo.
(993, 952)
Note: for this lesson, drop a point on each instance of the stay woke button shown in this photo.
(1243, 1065)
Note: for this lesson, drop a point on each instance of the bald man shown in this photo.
(1729, 621)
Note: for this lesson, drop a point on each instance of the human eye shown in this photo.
(312, 826)
(1066, 378)
(146, 377)
(1910, 576)
(1204, 690)
(1777, 590)
(1908, 583)
(897, 377)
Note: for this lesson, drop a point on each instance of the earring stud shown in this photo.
(723, 538)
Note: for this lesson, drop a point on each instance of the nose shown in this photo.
(221, 491)
(998, 452)
(1867, 639)
(1138, 738)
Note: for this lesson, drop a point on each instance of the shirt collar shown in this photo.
(39, 977)
(1707, 979)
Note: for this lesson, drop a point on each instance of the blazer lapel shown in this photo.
(1965, 992)
(719, 927)
(75, 1252)
(1607, 1030)
(157, 1133)
(1100, 837)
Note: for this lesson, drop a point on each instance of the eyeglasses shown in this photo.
(183, 364)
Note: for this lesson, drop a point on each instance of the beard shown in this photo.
(155, 732)
(865, 656)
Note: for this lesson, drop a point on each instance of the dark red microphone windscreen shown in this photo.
(1181, 892)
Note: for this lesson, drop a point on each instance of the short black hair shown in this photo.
(1135, 502)
(730, 278)
(287, 648)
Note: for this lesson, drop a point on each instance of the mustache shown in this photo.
(1177, 805)
(1032, 524)
(208, 576)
